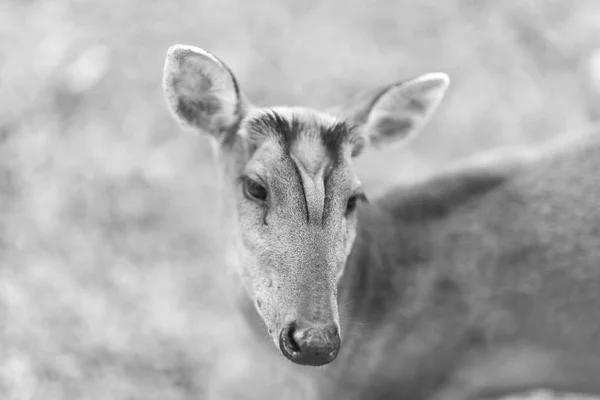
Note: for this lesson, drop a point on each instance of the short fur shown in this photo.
(286, 132)
(481, 281)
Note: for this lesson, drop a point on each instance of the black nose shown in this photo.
(310, 344)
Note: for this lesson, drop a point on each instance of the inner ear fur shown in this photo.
(395, 113)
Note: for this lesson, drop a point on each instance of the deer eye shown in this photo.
(254, 190)
(351, 205)
(353, 202)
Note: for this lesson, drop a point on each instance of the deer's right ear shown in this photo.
(201, 92)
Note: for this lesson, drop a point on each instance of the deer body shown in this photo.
(488, 280)
(480, 281)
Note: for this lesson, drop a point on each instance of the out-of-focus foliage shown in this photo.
(109, 266)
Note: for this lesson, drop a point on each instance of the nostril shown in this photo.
(333, 336)
(291, 342)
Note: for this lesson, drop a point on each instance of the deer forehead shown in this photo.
(315, 143)
(311, 160)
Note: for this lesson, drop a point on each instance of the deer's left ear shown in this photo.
(398, 112)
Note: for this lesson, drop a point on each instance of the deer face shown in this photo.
(294, 188)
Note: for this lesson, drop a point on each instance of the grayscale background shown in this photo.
(109, 265)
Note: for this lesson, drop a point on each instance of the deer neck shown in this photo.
(388, 267)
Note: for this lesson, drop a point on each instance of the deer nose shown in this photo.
(310, 344)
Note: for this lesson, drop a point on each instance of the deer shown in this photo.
(480, 280)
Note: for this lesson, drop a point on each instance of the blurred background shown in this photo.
(108, 251)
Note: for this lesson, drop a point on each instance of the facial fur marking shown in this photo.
(315, 144)
(313, 186)
(290, 125)
(335, 136)
(270, 124)
(301, 183)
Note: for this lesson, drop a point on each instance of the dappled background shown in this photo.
(108, 212)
